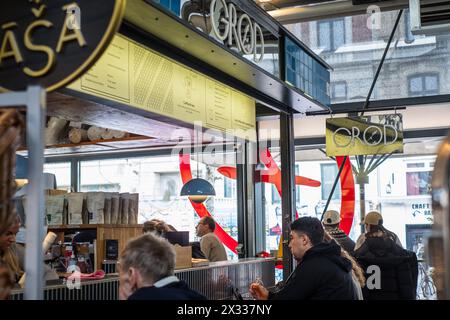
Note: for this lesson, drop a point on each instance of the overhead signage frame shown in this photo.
(367, 135)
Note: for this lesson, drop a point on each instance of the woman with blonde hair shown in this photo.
(357, 272)
(8, 251)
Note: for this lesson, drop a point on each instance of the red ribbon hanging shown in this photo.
(347, 195)
(186, 175)
(274, 171)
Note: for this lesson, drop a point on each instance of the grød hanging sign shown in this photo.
(375, 134)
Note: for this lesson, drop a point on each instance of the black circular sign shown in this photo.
(52, 42)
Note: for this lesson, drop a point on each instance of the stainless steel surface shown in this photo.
(35, 198)
(439, 242)
(213, 281)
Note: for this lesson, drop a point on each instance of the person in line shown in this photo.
(146, 272)
(210, 244)
(359, 278)
(9, 253)
(6, 277)
(158, 227)
(374, 218)
(331, 220)
(321, 273)
(12, 253)
(396, 278)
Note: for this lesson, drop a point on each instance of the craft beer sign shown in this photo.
(364, 135)
(52, 42)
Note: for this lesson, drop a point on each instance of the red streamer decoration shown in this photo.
(347, 195)
(186, 175)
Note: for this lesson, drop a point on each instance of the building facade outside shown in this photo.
(415, 66)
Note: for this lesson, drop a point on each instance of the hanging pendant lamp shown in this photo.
(197, 189)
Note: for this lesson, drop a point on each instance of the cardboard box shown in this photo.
(54, 209)
(75, 208)
(183, 257)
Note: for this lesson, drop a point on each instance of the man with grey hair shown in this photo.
(146, 270)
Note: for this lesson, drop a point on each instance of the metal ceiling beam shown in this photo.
(279, 4)
(330, 10)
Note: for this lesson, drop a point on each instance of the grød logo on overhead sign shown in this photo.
(364, 135)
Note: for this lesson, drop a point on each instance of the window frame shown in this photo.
(337, 191)
(427, 168)
(228, 184)
(332, 90)
(422, 77)
(332, 32)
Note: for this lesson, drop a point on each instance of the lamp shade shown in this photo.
(198, 190)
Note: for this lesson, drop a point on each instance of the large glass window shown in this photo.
(415, 65)
(229, 188)
(418, 178)
(400, 188)
(61, 170)
(305, 73)
(275, 195)
(328, 173)
(158, 182)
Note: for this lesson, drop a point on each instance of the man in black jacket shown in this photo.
(321, 274)
(146, 271)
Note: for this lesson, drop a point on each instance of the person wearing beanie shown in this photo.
(331, 220)
(374, 218)
(398, 268)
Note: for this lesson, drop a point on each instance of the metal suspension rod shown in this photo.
(334, 187)
(366, 104)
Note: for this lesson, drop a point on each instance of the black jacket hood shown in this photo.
(380, 250)
(331, 251)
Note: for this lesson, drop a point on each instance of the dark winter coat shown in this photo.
(343, 239)
(173, 291)
(398, 269)
(322, 275)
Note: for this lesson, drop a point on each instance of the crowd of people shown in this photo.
(330, 266)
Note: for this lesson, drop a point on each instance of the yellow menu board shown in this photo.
(132, 74)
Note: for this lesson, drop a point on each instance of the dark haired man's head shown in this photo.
(205, 225)
(306, 232)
